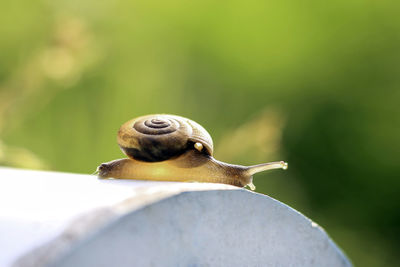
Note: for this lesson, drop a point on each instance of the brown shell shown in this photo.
(160, 137)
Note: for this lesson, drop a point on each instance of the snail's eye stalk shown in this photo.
(284, 165)
(267, 166)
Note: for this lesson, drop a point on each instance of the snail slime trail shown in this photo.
(165, 147)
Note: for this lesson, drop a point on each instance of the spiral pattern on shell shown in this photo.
(161, 137)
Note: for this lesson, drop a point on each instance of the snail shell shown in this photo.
(173, 148)
(160, 137)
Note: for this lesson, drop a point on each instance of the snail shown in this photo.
(172, 148)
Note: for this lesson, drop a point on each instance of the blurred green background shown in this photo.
(314, 83)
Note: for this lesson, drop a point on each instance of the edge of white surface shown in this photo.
(132, 196)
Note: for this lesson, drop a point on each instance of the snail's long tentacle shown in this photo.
(267, 166)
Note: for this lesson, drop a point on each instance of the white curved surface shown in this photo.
(78, 220)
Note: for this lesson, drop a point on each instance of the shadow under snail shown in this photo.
(165, 147)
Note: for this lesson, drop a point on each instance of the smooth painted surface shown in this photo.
(60, 219)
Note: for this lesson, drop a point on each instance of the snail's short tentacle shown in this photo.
(251, 186)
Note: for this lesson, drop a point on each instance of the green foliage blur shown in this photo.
(314, 83)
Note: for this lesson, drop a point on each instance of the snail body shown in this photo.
(174, 148)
